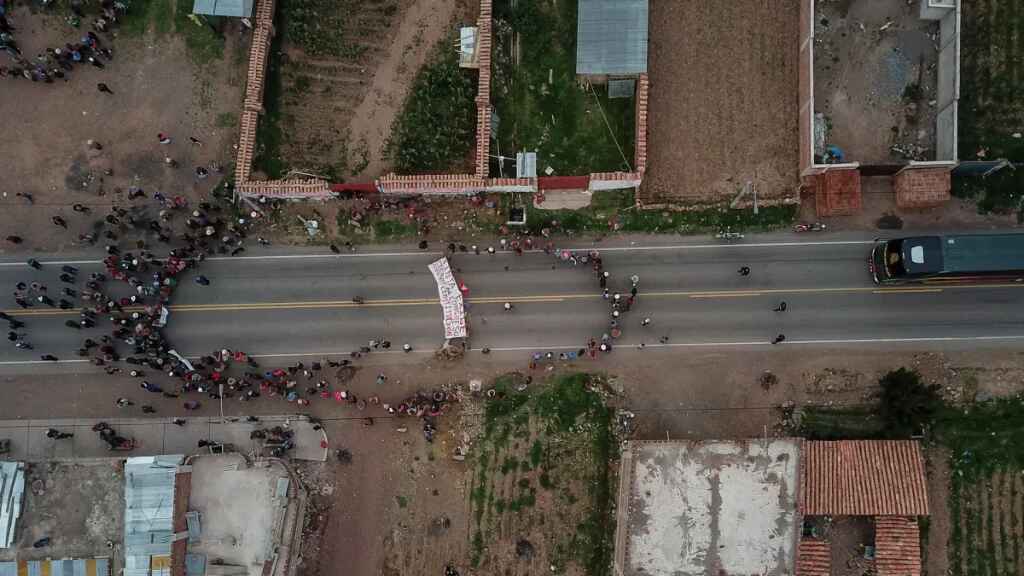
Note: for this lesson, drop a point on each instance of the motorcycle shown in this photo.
(728, 235)
(811, 227)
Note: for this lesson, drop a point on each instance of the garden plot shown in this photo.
(991, 113)
(540, 104)
(339, 74)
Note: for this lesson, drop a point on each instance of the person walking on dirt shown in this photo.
(123, 403)
(59, 222)
(104, 88)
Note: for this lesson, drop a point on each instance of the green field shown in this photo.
(991, 102)
(540, 104)
(544, 467)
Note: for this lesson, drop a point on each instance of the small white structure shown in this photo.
(469, 55)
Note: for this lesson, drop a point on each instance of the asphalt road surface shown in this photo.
(299, 303)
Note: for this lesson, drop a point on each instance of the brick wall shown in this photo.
(642, 90)
(483, 91)
(285, 188)
(252, 107)
(922, 187)
(259, 50)
(441, 184)
(837, 192)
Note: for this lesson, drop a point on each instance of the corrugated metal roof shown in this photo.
(62, 567)
(813, 558)
(897, 546)
(611, 37)
(863, 478)
(149, 510)
(235, 8)
(12, 492)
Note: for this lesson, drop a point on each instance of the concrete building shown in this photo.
(708, 508)
(770, 507)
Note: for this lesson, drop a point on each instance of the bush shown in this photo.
(906, 405)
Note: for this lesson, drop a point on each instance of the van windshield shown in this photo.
(894, 258)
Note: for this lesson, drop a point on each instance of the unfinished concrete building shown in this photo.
(879, 87)
(770, 507)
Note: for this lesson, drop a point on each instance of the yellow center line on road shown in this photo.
(551, 298)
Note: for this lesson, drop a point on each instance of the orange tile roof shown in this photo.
(863, 478)
(897, 546)
(813, 558)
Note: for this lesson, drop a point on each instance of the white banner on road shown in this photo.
(451, 300)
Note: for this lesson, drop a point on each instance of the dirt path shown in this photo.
(338, 110)
(423, 25)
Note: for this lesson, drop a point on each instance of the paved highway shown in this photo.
(294, 302)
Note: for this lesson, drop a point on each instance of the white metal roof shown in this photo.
(611, 37)
(149, 510)
(12, 492)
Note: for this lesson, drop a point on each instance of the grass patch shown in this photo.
(991, 109)
(435, 130)
(145, 15)
(269, 135)
(402, 501)
(226, 120)
(574, 127)
(393, 229)
(616, 210)
(318, 27)
(572, 444)
(204, 44)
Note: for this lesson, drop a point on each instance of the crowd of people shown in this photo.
(58, 62)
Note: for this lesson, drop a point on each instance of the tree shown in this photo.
(906, 404)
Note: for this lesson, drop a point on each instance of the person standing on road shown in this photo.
(744, 271)
(781, 307)
(779, 339)
(202, 280)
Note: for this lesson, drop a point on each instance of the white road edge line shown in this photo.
(342, 354)
(503, 253)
